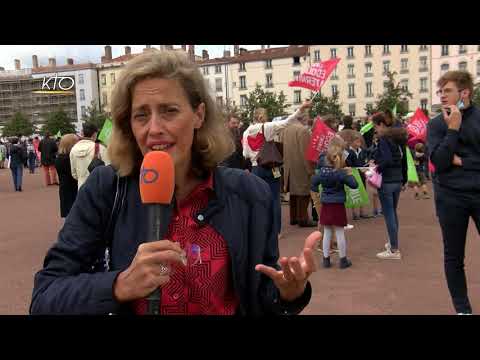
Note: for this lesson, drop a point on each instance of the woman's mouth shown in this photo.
(162, 147)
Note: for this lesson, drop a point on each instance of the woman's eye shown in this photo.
(139, 115)
(172, 110)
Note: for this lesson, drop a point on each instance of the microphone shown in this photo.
(157, 184)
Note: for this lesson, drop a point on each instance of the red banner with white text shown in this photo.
(316, 76)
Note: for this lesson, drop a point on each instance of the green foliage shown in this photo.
(273, 103)
(58, 121)
(324, 105)
(18, 125)
(94, 115)
(476, 95)
(394, 94)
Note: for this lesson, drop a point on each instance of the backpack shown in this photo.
(96, 161)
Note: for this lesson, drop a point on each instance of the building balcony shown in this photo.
(219, 90)
(369, 95)
(369, 55)
(404, 71)
(368, 74)
(243, 88)
(386, 53)
(351, 96)
(350, 57)
(334, 77)
(423, 90)
(423, 69)
(269, 85)
(350, 76)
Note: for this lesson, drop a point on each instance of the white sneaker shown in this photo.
(348, 227)
(464, 314)
(387, 246)
(389, 255)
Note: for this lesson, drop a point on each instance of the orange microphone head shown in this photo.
(157, 178)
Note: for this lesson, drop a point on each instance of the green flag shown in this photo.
(356, 197)
(59, 134)
(366, 128)
(412, 171)
(394, 111)
(104, 135)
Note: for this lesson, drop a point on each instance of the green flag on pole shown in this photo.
(394, 111)
(412, 171)
(104, 135)
(366, 128)
(59, 134)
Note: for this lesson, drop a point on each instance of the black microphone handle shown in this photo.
(159, 220)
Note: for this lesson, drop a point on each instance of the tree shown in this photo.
(323, 105)
(273, 103)
(18, 125)
(94, 115)
(394, 95)
(476, 95)
(58, 121)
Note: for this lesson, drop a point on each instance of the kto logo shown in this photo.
(148, 176)
(57, 85)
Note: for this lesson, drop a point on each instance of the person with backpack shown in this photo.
(87, 152)
(48, 149)
(17, 158)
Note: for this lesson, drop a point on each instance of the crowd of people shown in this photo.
(230, 176)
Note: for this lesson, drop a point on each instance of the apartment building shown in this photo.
(360, 75)
(453, 57)
(217, 75)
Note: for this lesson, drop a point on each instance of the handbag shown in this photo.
(96, 161)
(374, 178)
(269, 156)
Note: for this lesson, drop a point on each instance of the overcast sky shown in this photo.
(86, 53)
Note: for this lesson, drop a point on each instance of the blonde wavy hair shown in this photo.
(212, 143)
(66, 143)
(335, 151)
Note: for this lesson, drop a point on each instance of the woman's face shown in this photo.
(163, 119)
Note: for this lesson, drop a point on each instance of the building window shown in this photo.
(423, 63)
(386, 49)
(219, 100)
(334, 74)
(368, 68)
(423, 85)
(368, 50)
(104, 79)
(404, 49)
(112, 78)
(478, 68)
(424, 104)
(462, 66)
(105, 99)
(316, 56)
(351, 73)
(269, 81)
(423, 47)
(296, 75)
(243, 82)
(369, 108)
(80, 79)
(350, 53)
(351, 90)
(205, 70)
(444, 50)
(462, 49)
(404, 66)
(351, 109)
(84, 111)
(242, 67)
(218, 69)
(369, 89)
(243, 100)
(333, 53)
(386, 66)
(268, 64)
(404, 84)
(296, 60)
(385, 85)
(444, 67)
(82, 95)
(334, 90)
(218, 85)
(297, 96)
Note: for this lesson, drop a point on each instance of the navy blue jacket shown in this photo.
(390, 156)
(333, 181)
(241, 211)
(18, 156)
(465, 143)
(357, 161)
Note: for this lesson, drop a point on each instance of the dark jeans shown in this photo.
(17, 174)
(454, 209)
(267, 175)
(388, 195)
(32, 158)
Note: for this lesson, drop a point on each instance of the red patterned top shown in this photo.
(204, 286)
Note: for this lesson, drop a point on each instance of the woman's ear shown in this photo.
(199, 116)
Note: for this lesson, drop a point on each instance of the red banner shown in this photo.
(417, 126)
(321, 137)
(316, 76)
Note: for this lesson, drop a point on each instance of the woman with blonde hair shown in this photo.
(220, 253)
(68, 185)
(254, 137)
